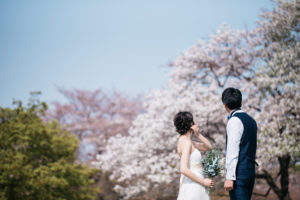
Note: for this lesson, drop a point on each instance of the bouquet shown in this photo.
(212, 164)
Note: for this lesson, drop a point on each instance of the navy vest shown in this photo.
(246, 162)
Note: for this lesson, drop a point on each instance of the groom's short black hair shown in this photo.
(232, 98)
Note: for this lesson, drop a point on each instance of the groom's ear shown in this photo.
(226, 108)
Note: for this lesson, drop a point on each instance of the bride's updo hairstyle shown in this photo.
(183, 122)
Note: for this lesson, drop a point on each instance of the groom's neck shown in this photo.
(228, 110)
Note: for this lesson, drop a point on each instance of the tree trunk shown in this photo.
(284, 162)
(283, 192)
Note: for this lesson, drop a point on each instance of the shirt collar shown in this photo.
(233, 112)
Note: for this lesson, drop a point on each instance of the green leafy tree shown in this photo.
(38, 158)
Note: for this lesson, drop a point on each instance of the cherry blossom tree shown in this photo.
(146, 159)
(94, 116)
(278, 81)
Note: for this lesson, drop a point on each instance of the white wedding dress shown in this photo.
(190, 190)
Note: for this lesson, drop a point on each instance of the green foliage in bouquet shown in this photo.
(38, 158)
(212, 163)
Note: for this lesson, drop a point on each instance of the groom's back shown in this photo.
(248, 143)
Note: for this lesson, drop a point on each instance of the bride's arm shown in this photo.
(205, 145)
(184, 163)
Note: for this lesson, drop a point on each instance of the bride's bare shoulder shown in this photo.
(183, 139)
(182, 142)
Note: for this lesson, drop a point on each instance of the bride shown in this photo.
(192, 182)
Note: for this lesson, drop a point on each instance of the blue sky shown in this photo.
(114, 45)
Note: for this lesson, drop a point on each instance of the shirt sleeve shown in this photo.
(235, 131)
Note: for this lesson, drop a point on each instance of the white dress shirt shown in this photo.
(235, 131)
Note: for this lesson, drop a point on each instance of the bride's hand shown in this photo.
(196, 129)
(208, 182)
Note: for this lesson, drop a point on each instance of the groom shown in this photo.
(241, 139)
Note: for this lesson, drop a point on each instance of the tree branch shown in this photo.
(263, 195)
(265, 175)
